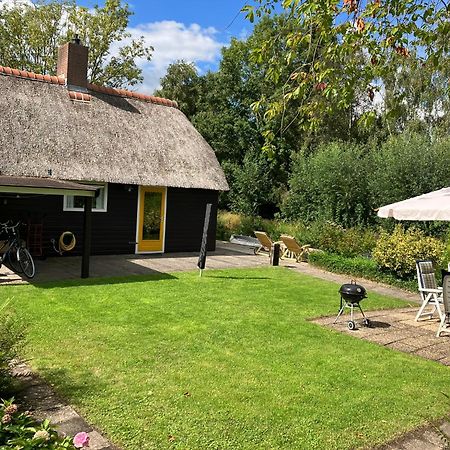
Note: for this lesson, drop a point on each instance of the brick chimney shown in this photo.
(73, 63)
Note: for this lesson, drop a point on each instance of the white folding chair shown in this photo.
(445, 321)
(430, 293)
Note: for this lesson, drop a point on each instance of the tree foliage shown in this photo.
(345, 183)
(329, 156)
(350, 45)
(30, 36)
(407, 165)
(330, 184)
(181, 83)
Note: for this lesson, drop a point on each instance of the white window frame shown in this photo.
(105, 203)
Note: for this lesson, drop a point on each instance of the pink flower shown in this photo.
(11, 409)
(6, 419)
(81, 440)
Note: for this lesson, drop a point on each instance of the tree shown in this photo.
(227, 121)
(350, 45)
(181, 83)
(30, 36)
(416, 98)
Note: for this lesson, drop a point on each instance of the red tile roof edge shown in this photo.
(92, 87)
(79, 96)
(32, 76)
(131, 94)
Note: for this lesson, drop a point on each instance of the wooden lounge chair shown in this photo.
(430, 293)
(293, 249)
(266, 244)
(445, 320)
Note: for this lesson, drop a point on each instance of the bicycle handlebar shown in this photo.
(5, 226)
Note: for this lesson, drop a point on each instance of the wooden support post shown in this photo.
(275, 255)
(87, 220)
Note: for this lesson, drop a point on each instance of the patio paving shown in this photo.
(397, 329)
(226, 256)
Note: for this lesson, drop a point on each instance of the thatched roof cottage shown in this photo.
(154, 172)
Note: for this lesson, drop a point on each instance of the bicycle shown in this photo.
(16, 256)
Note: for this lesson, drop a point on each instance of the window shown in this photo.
(99, 203)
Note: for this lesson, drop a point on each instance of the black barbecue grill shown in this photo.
(351, 296)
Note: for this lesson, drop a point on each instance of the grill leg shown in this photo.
(341, 310)
(362, 312)
(339, 314)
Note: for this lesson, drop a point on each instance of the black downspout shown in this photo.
(87, 220)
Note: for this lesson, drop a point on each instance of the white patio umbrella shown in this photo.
(432, 206)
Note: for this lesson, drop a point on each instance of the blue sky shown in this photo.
(193, 30)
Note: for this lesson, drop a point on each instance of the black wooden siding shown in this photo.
(185, 217)
(114, 231)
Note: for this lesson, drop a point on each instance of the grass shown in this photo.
(225, 361)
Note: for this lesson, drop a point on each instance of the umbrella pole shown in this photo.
(201, 272)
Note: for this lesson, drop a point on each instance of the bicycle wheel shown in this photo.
(12, 261)
(26, 262)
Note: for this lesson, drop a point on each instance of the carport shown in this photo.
(50, 186)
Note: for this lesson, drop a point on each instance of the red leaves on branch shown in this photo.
(402, 51)
(352, 5)
(320, 86)
(360, 25)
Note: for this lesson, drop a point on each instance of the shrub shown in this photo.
(333, 238)
(326, 236)
(20, 431)
(358, 267)
(330, 184)
(11, 340)
(231, 223)
(397, 252)
(252, 185)
(396, 167)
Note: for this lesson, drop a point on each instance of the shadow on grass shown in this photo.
(227, 277)
(70, 387)
(157, 276)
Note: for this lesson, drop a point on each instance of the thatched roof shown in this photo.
(110, 136)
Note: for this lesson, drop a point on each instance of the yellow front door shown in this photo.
(152, 206)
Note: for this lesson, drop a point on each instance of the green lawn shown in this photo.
(226, 361)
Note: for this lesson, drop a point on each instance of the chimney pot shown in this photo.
(73, 63)
(76, 40)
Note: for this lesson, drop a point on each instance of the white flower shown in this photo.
(41, 434)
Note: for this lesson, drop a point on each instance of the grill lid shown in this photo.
(353, 290)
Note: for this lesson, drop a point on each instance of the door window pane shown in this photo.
(151, 227)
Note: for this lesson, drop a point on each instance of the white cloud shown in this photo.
(173, 41)
(9, 3)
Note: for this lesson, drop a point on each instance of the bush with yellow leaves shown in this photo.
(398, 251)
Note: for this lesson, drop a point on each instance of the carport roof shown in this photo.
(44, 186)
